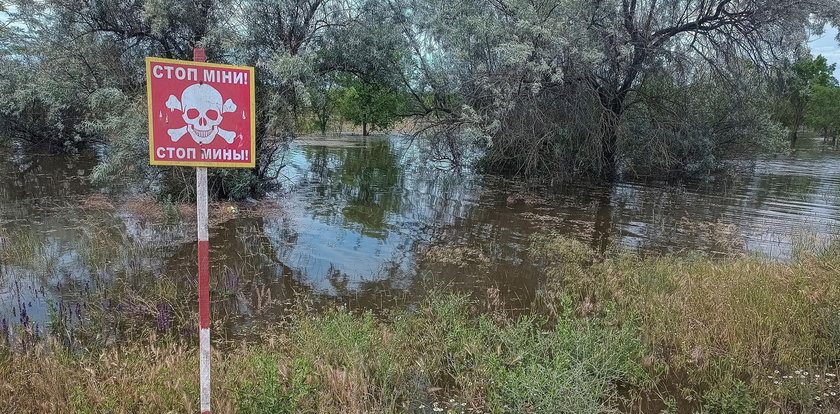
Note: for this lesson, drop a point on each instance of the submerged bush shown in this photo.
(697, 129)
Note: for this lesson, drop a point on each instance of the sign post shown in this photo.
(201, 115)
(203, 275)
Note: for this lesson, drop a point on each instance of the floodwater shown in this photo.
(369, 224)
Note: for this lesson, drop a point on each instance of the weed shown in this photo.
(275, 388)
(169, 209)
(737, 399)
(741, 332)
(719, 320)
(338, 361)
(24, 249)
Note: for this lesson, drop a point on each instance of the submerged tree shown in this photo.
(637, 36)
(97, 48)
(547, 85)
(91, 54)
(543, 87)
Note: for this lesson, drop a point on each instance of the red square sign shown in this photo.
(200, 114)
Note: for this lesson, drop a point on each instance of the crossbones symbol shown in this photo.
(202, 109)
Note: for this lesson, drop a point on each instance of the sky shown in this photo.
(827, 46)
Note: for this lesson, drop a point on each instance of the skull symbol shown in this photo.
(202, 109)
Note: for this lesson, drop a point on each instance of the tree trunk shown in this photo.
(798, 116)
(364, 129)
(609, 139)
(608, 156)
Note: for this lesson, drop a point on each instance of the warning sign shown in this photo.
(200, 114)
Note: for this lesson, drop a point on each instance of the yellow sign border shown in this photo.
(250, 69)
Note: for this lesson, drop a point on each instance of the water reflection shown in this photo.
(355, 223)
(360, 185)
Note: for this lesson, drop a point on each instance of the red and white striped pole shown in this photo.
(203, 275)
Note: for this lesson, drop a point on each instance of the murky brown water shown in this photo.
(370, 224)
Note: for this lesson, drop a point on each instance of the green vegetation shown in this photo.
(735, 329)
(560, 89)
(600, 88)
(733, 334)
(810, 88)
(824, 111)
(339, 361)
(370, 104)
(576, 89)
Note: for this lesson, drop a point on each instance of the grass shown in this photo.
(728, 327)
(618, 332)
(22, 248)
(442, 355)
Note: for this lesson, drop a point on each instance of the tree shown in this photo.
(324, 98)
(365, 58)
(805, 75)
(565, 88)
(638, 34)
(282, 40)
(96, 49)
(823, 112)
(73, 50)
(42, 107)
(591, 58)
(369, 104)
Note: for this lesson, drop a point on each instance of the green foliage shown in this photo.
(170, 210)
(553, 91)
(341, 361)
(267, 392)
(721, 327)
(513, 366)
(325, 99)
(724, 324)
(572, 369)
(122, 127)
(693, 129)
(810, 72)
(805, 77)
(736, 400)
(564, 91)
(369, 104)
(73, 75)
(42, 114)
(823, 111)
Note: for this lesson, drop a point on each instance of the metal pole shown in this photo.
(203, 275)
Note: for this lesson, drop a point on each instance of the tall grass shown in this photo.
(22, 248)
(719, 322)
(442, 355)
(737, 334)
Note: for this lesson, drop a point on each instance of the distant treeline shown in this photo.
(554, 89)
